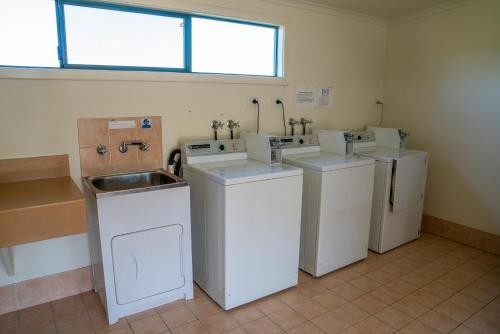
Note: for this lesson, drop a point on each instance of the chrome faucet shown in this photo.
(304, 122)
(232, 125)
(216, 125)
(292, 122)
(143, 146)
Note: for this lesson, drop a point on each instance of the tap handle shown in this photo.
(216, 125)
(233, 124)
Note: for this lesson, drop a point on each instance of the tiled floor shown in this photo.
(431, 285)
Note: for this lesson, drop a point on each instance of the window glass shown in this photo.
(232, 48)
(96, 36)
(28, 33)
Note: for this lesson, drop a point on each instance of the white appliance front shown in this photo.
(246, 236)
(336, 211)
(399, 181)
(140, 249)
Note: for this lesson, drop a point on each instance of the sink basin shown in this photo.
(132, 182)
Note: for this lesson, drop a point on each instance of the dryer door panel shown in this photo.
(408, 181)
(147, 263)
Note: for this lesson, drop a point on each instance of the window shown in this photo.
(229, 47)
(100, 35)
(104, 37)
(28, 33)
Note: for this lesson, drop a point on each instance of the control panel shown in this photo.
(210, 147)
(362, 136)
(298, 141)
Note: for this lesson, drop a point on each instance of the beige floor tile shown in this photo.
(262, 325)
(238, 330)
(142, 315)
(204, 307)
(178, 316)
(394, 270)
(425, 298)
(330, 300)
(348, 291)
(438, 289)
(312, 288)
(303, 276)
(287, 318)
(219, 323)
(294, 296)
(418, 327)
(402, 287)
(346, 274)
(151, 325)
(306, 328)
(310, 310)
(386, 295)
(463, 330)
(331, 323)
(352, 313)
(194, 327)
(270, 304)
(438, 321)
(245, 313)
(330, 281)
(374, 326)
(459, 307)
(77, 329)
(415, 279)
(370, 304)
(381, 276)
(364, 283)
(410, 307)
(394, 318)
(171, 306)
(487, 320)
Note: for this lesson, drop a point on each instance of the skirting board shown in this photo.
(44, 289)
(466, 235)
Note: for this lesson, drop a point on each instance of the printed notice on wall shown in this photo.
(305, 97)
(325, 97)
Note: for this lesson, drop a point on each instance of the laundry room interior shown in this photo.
(258, 166)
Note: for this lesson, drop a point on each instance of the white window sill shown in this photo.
(104, 75)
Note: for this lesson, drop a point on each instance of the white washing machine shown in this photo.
(336, 201)
(245, 222)
(399, 187)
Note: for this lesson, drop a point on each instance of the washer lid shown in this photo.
(244, 171)
(323, 161)
(386, 154)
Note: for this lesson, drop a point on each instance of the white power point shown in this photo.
(273, 101)
(250, 101)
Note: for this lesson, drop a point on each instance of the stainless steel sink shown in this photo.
(114, 184)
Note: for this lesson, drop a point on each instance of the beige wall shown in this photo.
(442, 84)
(38, 117)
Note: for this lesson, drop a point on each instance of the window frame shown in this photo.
(62, 47)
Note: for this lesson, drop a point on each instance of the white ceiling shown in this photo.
(385, 9)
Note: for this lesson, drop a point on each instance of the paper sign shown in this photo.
(325, 97)
(121, 124)
(305, 97)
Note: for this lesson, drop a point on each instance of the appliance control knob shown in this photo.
(222, 147)
(301, 141)
(359, 137)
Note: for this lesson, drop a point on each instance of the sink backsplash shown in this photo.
(108, 134)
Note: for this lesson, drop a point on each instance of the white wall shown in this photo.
(38, 117)
(442, 84)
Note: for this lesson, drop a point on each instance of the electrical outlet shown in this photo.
(250, 101)
(273, 101)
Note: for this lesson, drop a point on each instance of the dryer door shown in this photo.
(408, 181)
(147, 263)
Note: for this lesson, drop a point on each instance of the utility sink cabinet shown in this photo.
(140, 240)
